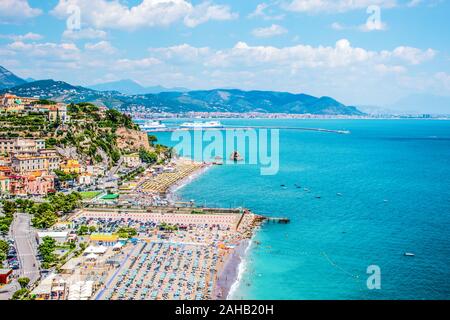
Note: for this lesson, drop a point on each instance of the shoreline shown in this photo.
(171, 191)
(229, 273)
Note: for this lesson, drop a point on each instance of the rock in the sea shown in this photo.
(235, 156)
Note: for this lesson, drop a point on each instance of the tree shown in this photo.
(9, 207)
(152, 139)
(46, 249)
(24, 204)
(4, 246)
(83, 230)
(23, 281)
(19, 294)
(148, 156)
(50, 142)
(126, 232)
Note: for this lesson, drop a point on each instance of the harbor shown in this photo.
(158, 126)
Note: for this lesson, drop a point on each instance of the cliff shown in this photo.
(130, 140)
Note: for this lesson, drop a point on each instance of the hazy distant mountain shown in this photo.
(423, 103)
(131, 87)
(217, 100)
(9, 79)
(376, 110)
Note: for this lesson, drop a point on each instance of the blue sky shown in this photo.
(338, 48)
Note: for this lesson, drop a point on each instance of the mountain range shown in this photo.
(216, 100)
(9, 79)
(131, 87)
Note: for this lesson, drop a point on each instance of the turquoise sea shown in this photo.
(384, 190)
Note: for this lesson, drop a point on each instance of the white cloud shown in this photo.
(367, 27)
(23, 37)
(181, 53)
(13, 10)
(301, 56)
(85, 33)
(28, 36)
(385, 69)
(273, 30)
(414, 3)
(102, 47)
(206, 11)
(337, 26)
(335, 5)
(443, 79)
(62, 51)
(137, 64)
(265, 11)
(148, 13)
(412, 55)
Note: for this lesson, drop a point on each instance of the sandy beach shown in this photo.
(228, 274)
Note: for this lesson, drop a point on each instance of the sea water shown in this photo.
(384, 190)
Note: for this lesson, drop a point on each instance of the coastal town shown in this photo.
(87, 211)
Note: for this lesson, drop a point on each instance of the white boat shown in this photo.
(152, 125)
(201, 125)
(409, 254)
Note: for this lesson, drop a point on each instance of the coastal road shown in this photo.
(24, 237)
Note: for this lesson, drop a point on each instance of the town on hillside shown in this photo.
(88, 211)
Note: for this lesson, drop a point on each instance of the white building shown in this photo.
(132, 160)
(58, 236)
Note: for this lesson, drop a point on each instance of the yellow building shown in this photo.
(71, 166)
(107, 239)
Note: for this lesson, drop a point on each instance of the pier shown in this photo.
(283, 220)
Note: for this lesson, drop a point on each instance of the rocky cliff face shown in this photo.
(132, 140)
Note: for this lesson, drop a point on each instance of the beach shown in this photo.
(171, 195)
(228, 276)
(194, 259)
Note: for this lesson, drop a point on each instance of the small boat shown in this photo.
(339, 194)
(318, 197)
(409, 254)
